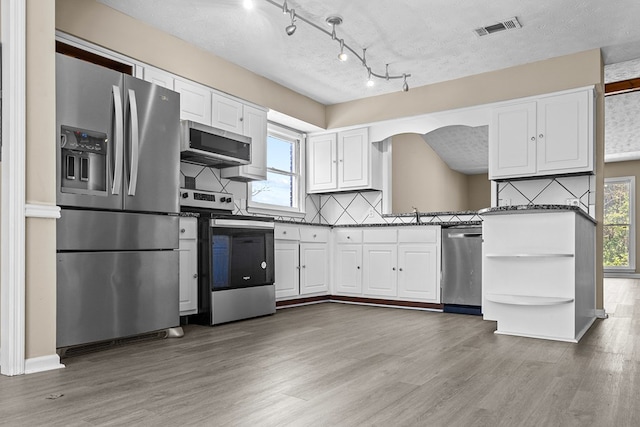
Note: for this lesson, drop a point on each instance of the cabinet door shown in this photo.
(418, 273)
(227, 113)
(564, 136)
(353, 159)
(348, 269)
(159, 77)
(314, 275)
(195, 102)
(287, 276)
(188, 248)
(321, 163)
(380, 270)
(255, 126)
(512, 141)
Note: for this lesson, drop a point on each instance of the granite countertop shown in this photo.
(407, 224)
(412, 214)
(523, 209)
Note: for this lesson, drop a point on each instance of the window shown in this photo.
(618, 227)
(283, 189)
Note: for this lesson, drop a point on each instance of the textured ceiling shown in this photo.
(433, 41)
(463, 148)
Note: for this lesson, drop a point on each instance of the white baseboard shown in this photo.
(42, 363)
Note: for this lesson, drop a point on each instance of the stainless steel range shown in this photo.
(235, 259)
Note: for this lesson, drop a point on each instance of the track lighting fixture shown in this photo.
(290, 29)
(335, 21)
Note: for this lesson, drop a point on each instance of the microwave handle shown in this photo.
(135, 143)
(117, 172)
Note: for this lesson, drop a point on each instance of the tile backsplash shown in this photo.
(550, 190)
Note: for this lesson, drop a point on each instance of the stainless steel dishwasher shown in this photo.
(462, 269)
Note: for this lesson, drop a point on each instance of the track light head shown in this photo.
(285, 8)
(370, 81)
(290, 29)
(342, 56)
(405, 86)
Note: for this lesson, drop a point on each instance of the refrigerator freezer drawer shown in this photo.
(83, 230)
(108, 295)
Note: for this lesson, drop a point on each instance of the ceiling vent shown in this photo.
(509, 24)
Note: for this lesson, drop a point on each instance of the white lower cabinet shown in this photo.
(380, 270)
(188, 248)
(418, 272)
(397, 263)
(302, 261)
(313, 268)
(287, 277)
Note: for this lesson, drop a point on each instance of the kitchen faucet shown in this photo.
(415, 211)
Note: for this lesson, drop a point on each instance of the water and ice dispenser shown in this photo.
(83, 161)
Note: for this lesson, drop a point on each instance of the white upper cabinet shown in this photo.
(227, 114)
(254, 124)
(342, 162)
(195, 101)
(159, 77)
(552, 135)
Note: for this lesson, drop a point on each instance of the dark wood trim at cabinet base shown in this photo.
(300, 301)
(359, 300)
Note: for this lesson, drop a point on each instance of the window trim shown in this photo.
(299, 208)
(632, 224)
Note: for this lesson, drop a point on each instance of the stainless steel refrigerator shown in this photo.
(117, 183)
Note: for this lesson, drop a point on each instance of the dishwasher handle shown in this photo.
(464, 235)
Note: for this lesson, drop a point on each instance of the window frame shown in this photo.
(298, 210)
(631, 180)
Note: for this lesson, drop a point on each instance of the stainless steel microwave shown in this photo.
(210, 146)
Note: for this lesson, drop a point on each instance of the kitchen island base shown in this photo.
(539, 271)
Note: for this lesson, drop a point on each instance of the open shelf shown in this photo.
(527, 300)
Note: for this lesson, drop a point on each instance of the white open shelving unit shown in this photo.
(539, 272)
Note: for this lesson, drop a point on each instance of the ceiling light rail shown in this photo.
(334, 21)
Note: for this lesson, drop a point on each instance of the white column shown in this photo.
(12, 279)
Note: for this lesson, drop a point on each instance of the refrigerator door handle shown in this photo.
(119, 143)
(135, 142)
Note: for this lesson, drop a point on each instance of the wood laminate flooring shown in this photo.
(334, 364)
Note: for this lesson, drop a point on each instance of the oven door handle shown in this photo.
(234, 223)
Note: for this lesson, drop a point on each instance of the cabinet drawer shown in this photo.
(286, 232)
(348, 235)
(188, 228)
(380, 235)
(420, 234)
(314, 234)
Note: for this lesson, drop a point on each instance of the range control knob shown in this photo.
(185, 195)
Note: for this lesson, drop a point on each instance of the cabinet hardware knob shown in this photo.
(284, 232)
(348, 237)
(541, 136)
(358, 267)
(182, 230)
(334, 161)
(533, 138)
(340, 160)
(241, 119)
(394, 269)
(400, 269)
(298, 267)
(304, 266)
(195, 276)
(314, 236)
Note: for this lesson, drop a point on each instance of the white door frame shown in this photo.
(12, 264)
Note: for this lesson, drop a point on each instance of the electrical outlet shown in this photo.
(371, 213)
(504, 202)
(573, 202)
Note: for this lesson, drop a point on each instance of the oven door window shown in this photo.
(239, 259)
